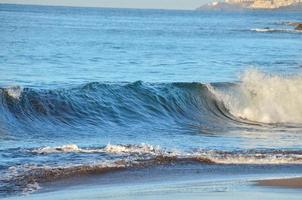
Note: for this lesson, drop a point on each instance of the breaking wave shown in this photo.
(265, 98)
(258, 98)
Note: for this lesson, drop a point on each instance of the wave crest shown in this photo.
(14, 92)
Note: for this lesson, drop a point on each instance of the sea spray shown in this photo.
(14, 92)
(264, 98)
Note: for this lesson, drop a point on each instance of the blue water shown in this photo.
(81, 86)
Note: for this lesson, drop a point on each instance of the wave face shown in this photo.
(258, 98)
(106, 102)
(108, 105)
(259, 104)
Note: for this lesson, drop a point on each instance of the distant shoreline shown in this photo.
(223, 6)
(202, 8)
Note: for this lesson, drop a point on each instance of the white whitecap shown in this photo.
(264, 98)
(14, 91)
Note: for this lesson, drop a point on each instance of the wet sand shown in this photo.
(180, 181)
(190, 190)
(287, 182)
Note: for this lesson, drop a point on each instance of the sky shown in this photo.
(163, 4)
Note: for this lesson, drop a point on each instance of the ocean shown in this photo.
(106, 97)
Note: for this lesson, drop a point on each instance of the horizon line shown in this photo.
(104, 7)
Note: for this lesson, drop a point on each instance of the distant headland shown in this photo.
(254, 5)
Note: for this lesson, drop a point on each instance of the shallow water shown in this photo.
(87, 91)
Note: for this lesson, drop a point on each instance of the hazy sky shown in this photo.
(167, 4)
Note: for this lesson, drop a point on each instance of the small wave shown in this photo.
(213, 156)
(68, 148)
(256, 157)
(143, 148)
(263, 30)
(110, 148)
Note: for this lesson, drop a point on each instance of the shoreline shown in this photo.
(176, 181)
(186, 187)
(293, 183)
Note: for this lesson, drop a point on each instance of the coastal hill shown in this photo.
(254, 4)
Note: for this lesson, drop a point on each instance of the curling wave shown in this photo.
(102, 105)
(258, 98)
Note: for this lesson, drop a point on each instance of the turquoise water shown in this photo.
(85, 90)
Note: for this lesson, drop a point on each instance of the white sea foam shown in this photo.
(263, 30)
(64, 148)
(250, 157)
(264, 98)
(275, 30)
(148, 152)
(14, 91)
(30, 188)
(110, 148)
(142, 148)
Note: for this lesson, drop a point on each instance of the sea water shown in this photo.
(92, 90)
